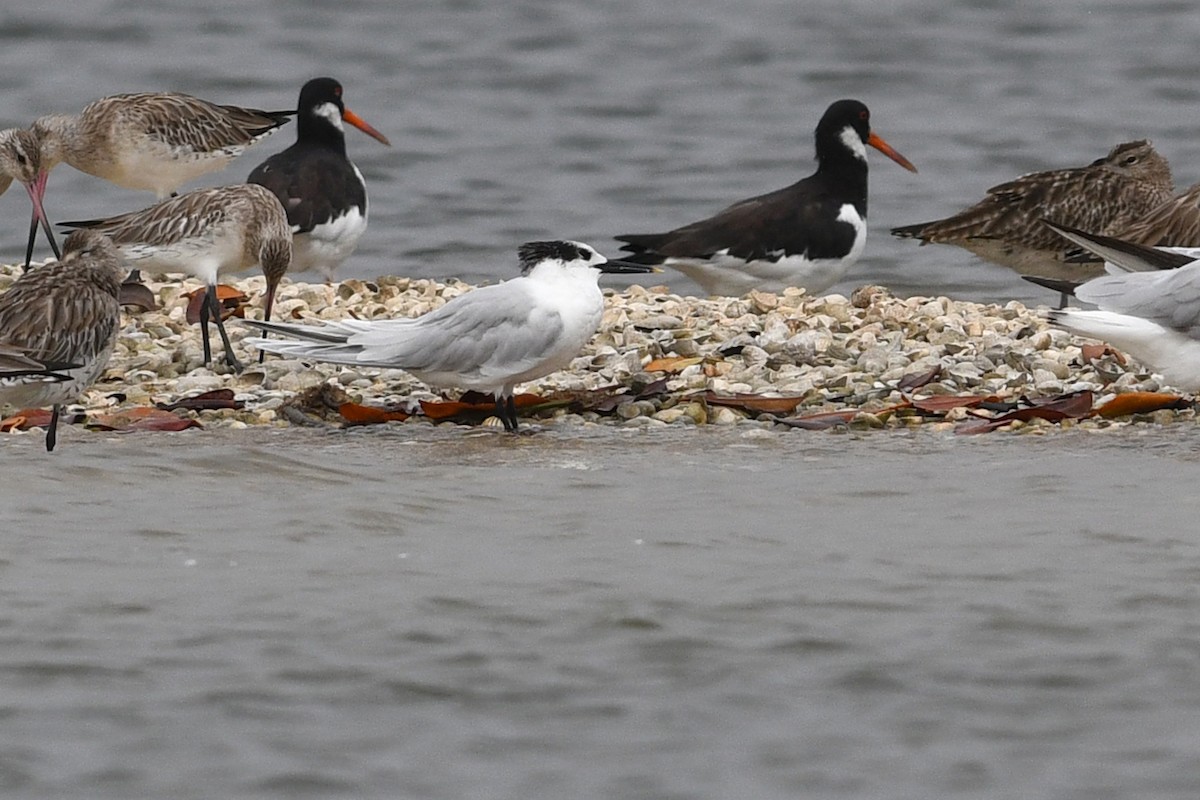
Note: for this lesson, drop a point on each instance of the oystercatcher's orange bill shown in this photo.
(879, 144)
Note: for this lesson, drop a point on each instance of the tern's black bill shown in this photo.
(617, 266)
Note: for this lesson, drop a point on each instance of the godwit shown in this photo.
(1006, 226)
(151, 140)
(807, 234)
(204, 233)
(58, 324)
(489, 339)
(323, 192)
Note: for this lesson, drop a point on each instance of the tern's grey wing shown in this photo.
(1170, 298)
(492, 330)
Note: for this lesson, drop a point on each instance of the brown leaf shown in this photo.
(672, 365)
(142, 418)
(208, 401)
(357, 414)
(231, 300)
(821, 421)
(915, 380)
(940, 404)
(25, 419)
(1076, 405)
(1093, 352)
(753, 403)
(138, 296)
(1140, 403)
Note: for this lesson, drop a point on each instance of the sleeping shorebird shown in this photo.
(156, 141)
(323, 192)
(1149, 306)
(204, 233)
(21, 160)
(1006, 226)
(807, 234)
(489, 339)
(58, 324)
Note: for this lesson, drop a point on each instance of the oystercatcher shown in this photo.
(322, 191)
(807, 234)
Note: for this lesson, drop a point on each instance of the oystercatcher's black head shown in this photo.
(844, 129)
(321, 111)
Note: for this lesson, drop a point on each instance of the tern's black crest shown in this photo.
(533, 253)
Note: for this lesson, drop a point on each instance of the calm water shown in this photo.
(609, 614)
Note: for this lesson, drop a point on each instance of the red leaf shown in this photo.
(754, 403)
(142, 418)
(1071, 406)
(208, 401)
(357, 414)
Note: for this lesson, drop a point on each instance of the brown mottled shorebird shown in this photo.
(323, 192)
(156, 141)
(204, 233)
(58, 324)
(1006, 226)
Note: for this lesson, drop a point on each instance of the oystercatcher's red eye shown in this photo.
(863, 114)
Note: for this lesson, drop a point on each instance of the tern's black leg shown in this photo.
(502, 412)
(52, 429)
(511, 408)
(1064, 300)
(230, 358)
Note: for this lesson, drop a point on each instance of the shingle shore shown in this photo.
(835, 352)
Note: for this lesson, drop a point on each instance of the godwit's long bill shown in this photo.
(807, 234)
(205, 233)
(58, 324)
(156, 141)
(489, 339)
(323, 192)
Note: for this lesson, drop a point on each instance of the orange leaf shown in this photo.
(25, 419)
(671, 364)
(1140, 403)
(230, 299)
(358, 414)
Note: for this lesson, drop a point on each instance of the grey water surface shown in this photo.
(608, 613)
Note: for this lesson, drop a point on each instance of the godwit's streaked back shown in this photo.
(156, 141)
(1006, 226)
(323, 192)
(489, 339)
(58, 324)
(807, 234)
(204, 233)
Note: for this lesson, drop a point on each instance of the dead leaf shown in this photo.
(1076, 405)
(232, 302)
(821, 421)
(25, 419)
(357, 414)
(473, 407)
(207, 401)
(672, 365)
(915, 380)
(1094, 352)
(138, 296)
(142, 418)
(754, 403)
(1140, 403)
(940, 404)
